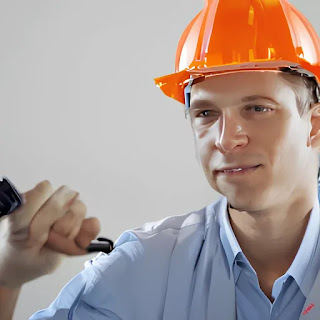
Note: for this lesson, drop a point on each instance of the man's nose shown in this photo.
(231, 133)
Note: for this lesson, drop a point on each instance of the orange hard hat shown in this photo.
(232, 35)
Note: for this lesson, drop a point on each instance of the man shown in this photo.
(252, 93)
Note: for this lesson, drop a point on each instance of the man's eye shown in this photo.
(256, 108)
(259, 108)
(203, 114)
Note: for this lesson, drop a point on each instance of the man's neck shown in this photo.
(270, 240)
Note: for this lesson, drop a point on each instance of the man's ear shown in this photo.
(315, 127)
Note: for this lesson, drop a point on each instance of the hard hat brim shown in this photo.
(173, 84)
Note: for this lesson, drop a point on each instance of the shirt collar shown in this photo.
(227, 236)
(303, 258)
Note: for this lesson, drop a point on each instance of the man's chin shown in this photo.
(237, 208)
(245, 207)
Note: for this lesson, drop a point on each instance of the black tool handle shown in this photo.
(102, 244)
(10, 198)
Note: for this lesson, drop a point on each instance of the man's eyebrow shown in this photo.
(257, 97)
(202, 103)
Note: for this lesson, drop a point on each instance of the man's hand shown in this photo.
(34, 237)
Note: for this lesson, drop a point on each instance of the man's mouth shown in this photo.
(237, 171)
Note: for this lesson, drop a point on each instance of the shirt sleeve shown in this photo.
(128, 283)
(69, 297)
(72, 302)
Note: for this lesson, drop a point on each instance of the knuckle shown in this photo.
(41, 191)
(64, 189)
(44, 186)
(65, 192)
(78, 208)
(55, 203)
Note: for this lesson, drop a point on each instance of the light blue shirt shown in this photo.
(289, 291)
(177, 269)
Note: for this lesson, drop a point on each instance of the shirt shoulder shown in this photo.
(142, 258)
(199, 219)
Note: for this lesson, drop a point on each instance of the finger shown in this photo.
(20, 218)
(52, 210)
(69, 225)
(58, 243)
(89, 230)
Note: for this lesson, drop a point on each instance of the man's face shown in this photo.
(251, 118)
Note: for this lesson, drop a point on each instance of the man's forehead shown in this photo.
(202, 102)
(243, 86)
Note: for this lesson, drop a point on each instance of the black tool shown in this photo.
(11, 199)
(101, 244)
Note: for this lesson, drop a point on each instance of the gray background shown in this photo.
(79, 107)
